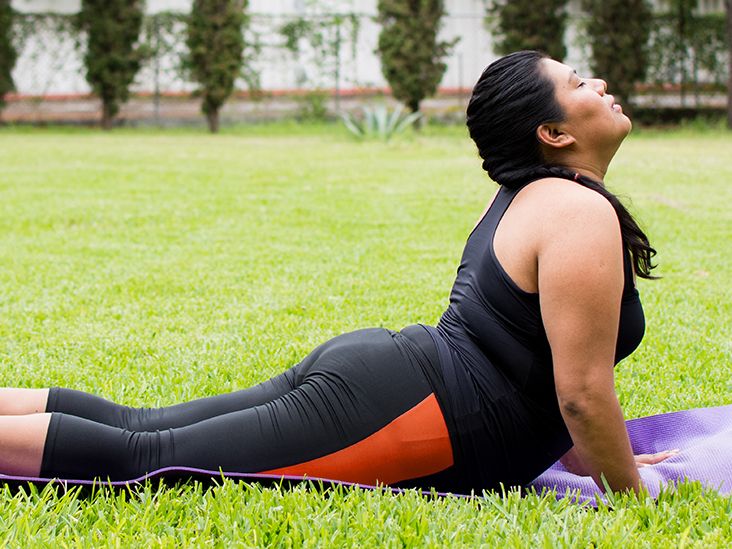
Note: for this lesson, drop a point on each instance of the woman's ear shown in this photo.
(551, 136)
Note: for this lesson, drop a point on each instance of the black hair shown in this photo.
(512, 98)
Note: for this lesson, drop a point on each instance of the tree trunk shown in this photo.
(729, 55)
(212, 118)
(414, 107)
(107, 117)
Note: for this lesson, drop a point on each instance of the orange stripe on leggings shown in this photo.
(414, 445)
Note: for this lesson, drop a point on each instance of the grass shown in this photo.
(156, 266)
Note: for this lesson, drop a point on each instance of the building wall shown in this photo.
(50, 64)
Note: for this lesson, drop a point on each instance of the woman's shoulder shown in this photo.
(561, 204)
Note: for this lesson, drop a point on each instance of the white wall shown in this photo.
(48, 65)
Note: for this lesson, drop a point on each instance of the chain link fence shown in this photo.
(315, 71)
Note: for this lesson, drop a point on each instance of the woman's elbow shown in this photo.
(579, 404)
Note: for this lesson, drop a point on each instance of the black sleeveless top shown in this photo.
(497, 366)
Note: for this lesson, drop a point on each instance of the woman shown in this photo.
(518, 372)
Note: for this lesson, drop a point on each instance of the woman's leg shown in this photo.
(106, 412)
(17, 402)
(22, 439)
(100, 410)
(362, 410)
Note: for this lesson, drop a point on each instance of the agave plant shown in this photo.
(378, 123)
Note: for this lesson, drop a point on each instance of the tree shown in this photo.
(683, 11)
(216, 45)
(7, 51)
(411, 56)
(683, 43)
(529, 25)
(619, 31)
(112, 56)
(728, 4)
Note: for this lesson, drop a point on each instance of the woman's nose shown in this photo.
(600, 85)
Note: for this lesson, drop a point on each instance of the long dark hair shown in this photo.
(512, 98)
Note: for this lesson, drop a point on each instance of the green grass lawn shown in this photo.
(152, 267)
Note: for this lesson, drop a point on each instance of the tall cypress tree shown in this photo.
(619, 31)
(7, 51)
(529, 25)
(112, 56)
(411, 55)
(728, 4)
(216, 45)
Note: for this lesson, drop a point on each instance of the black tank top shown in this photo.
(497, 366)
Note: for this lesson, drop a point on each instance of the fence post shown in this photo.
(338, 66)
(156, 68)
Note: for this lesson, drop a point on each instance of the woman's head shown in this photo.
(532, 117)
(529, 111)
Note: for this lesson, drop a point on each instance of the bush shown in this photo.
(411, 55)
(684, 43)
(7, 51)
(216, 45)
(112, 56)
(618, 32)
(379, 123)
(529, 25)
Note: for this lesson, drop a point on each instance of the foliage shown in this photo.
(619, 30)
(216, 52)
(312, 105)
(684, 43)
(112, 56)
(153, 267)
(316, 42)
(728, 8)
(412, 58)
(7, 50)
(529, 25)
(379, 123)
(161, 34)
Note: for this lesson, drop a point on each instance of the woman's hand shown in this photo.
(574, 464)
(644, 460)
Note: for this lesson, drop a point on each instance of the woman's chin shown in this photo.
(628, 123)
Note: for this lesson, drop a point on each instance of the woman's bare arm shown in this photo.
(580, 278)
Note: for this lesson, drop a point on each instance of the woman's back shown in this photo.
(497, 360)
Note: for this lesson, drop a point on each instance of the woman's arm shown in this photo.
(580, 279)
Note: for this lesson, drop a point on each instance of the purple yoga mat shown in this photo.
(703, 435)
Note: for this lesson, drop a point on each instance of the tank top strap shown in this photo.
(488, 225)
(493, 216)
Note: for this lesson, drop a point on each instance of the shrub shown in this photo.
(684, 43)
(316, 41)
(379, 123)
(112, 55)
(728, 6)
(529, 25)
(411, 55)
(618, 32)
(7, 51)
(216, 51)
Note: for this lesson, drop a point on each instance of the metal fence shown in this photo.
(340, 61)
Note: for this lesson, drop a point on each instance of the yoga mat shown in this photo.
(703, 435)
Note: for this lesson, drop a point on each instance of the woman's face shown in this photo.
(593, 118)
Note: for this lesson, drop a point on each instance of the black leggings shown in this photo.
(359, 408)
